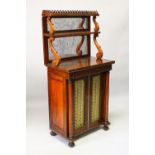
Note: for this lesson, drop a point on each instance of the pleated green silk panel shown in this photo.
(79, 104)
(95, 98)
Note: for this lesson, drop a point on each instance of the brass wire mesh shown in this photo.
(95, 98)
(79, 104)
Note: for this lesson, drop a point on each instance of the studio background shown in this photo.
(114, 37)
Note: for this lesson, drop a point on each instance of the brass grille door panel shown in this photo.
(86, 110)
(79, 104)
(95, 99)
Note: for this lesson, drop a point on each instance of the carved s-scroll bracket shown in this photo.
(78, 48)
(96, 29)
(51, 25)
(57, 58)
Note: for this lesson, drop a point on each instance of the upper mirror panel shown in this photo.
(68, 24)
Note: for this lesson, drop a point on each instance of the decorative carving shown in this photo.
(96, 29)
(81, 24)
(78, 51)
(100, 51)
(51, 25)
(57, 59)
(47, 13)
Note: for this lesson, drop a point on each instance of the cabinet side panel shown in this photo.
(57, 104)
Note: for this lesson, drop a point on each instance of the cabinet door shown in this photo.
(80, 106)
(95, 101)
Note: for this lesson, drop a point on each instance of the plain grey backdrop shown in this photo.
(114, 38)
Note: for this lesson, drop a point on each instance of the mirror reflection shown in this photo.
(67, 46)
(64, 24)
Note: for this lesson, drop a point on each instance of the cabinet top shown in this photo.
(79, 64)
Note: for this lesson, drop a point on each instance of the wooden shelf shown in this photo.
(69, 34)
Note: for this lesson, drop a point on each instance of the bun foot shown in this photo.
(52, 133)
(105, 127)
(71, 144)
(108, 123)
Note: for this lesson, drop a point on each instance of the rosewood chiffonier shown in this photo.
(78, 84)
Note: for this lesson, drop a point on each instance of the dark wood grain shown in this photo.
(47, 14)
(61, 93)
(70, 109)
(45, 41)
(105, 98)
(69, 34)
(57, 103)
(66, 13)
(81, 63)
(62, 78)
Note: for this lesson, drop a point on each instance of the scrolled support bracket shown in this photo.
(78, 48)
(96, 29)
(57, 58)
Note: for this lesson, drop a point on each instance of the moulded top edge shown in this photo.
(69, 13)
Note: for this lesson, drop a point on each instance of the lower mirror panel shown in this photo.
(69, 46)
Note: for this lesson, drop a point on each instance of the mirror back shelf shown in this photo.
(66, 35)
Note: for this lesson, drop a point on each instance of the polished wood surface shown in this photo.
(48, 37)
(51, 25)
(69, 34)
(71, 13)
(78, 48)
(105, 99)
(57, 103)
(81, 63)
(70, 110)
(61, 81)
(57, 59)
(56, 87)
(96, 30)
(77, 84)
